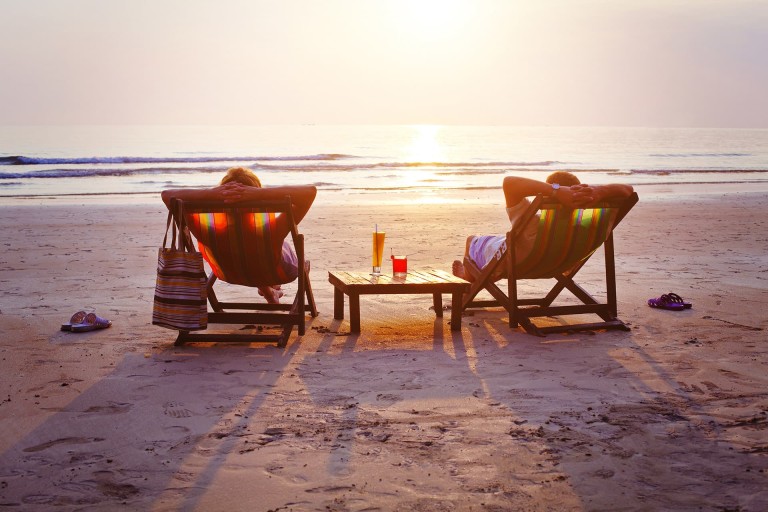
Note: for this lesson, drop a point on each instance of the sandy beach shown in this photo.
(408, 415)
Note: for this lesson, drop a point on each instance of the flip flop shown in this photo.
(678, 299)
(77, 318)
(666, 302)
(91, 322)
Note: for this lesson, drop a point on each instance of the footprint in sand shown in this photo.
(39, 499)
(117, 490)
(176, 410)
(388, 398)
(63, 440)
(690, 388)
(177, 430)
(110, 408)
(733, 324)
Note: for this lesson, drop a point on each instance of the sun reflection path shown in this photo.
(425, 146)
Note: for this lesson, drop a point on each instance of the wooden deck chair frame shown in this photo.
(258, 313)
(522, 310)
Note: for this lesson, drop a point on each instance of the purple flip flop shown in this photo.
(679, 300)
(77, 318)
(91, 322)
(669, 301)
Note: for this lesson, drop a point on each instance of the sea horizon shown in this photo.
(366, 160)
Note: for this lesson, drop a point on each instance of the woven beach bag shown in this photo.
(180, 290)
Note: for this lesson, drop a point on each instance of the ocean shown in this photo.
(382, 163)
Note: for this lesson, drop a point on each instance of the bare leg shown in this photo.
(458, 266)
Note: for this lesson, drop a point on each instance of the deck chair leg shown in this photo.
(512, 298)
(482, 281)
(309, 293)
(298, 309)
(469, 297)
(311, 302)
(555, 291)
(284, 335)
(577, 290)
(180, 338)
(212, 299)
(610, 278)
(475, 286)
(530, 327)
(565, 281)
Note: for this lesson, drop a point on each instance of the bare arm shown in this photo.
(517, 188)
(612, 191)
(302, 197)
(193, 194)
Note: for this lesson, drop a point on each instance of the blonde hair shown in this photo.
(563, 178)
(241, 175)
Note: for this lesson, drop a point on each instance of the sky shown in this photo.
(658, 63)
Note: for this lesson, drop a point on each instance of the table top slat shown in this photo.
(354, 278)
(443, 275)
(416, 281)
(417, 277)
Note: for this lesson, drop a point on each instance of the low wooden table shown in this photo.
(431, 281)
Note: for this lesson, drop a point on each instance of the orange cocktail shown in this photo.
(377, 251)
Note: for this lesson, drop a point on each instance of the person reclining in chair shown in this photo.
(563, 186)
(241, 184)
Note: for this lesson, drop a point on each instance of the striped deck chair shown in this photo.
(566, 239)
(239, 243)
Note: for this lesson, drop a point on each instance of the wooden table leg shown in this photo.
(354, 312)
(338, 304)
(437, 302)
(456, 311)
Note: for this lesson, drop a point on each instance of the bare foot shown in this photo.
(458, 269)
(271, 293)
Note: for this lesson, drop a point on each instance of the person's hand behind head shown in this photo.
(232, 191)
(583, 195)
(576, 196)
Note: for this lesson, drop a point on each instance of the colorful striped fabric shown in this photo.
(241, 246)
(565, 238)
(180, 296)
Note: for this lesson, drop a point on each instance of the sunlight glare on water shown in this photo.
(425, 146)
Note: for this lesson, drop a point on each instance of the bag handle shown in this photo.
(167, 227)
(176, 243)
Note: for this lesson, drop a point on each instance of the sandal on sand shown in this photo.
(91, 322)
(666, 301)
(77, 318)
(678, 299)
